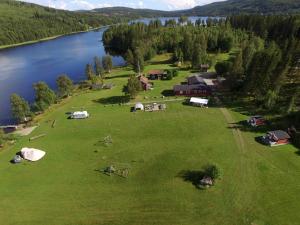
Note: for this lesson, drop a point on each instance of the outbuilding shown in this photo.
(277, 137)
(146, 85)
(256, 121)
(198, 101)
(157, 74)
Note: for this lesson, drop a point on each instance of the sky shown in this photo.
(149, 4)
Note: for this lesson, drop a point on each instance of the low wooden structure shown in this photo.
(157, 74)
(276, 138)
(155, 107)
(256, 121)
(146, 85)
(204, 67)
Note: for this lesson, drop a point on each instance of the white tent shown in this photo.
(139, 106)
(199, 101)
(32, 154)
(80, 115)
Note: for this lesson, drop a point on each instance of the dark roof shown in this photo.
(156, 72)
(185, 87)
(195, 80)
(279, 134)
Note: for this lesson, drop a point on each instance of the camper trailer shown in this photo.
(79, 115)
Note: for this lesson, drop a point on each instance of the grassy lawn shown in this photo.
(258, 184)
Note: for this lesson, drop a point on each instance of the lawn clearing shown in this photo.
(162, 150)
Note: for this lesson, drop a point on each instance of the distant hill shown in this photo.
(232, 7)
(22, 22)
(229, 7)
(130, 12)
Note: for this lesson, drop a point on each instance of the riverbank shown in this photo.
(47, 38)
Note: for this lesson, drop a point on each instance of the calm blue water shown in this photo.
(22, 66)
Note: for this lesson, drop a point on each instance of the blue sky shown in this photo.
(150, 4)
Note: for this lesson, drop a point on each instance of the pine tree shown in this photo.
(237, 71)
(107, 63)
(99, 68)
(89, 72)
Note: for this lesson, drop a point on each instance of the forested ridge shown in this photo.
(264, 66)
(234, 7)
(21, 22)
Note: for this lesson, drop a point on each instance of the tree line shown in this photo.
(267, 65)
(139, 42)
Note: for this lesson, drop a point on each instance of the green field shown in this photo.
(163, 150)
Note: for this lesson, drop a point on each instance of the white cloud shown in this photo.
(152, 4)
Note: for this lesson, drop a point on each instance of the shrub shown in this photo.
(212, 171)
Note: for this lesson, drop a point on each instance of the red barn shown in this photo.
(192, 90)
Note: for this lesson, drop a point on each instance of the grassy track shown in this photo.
(258, 185)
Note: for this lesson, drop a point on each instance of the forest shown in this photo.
(264, 65)
(21, 22)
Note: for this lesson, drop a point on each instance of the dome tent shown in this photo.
(139, 106)
(32, 154)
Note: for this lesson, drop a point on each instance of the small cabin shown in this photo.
(157, 74)
(79, 115)
(204, 67)
(146, 85)
(276, 138)
(256, 121)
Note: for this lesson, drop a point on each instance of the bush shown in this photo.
(223, 68)
(169, 75)
(212, 171)
(175, 73)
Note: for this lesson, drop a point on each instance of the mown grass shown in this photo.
(258, 185)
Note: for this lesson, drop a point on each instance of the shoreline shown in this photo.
(46, 39)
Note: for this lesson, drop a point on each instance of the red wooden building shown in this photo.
(277, 137)
(192, 90)
(146, 85)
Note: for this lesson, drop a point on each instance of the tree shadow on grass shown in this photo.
(117, 76)
(192, 176)
(167, 93)
(113, 100)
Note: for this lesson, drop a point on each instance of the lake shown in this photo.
(22, 66)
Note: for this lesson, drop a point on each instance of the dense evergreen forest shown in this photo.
(21, 22)
(235, 7)
(264, 64)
